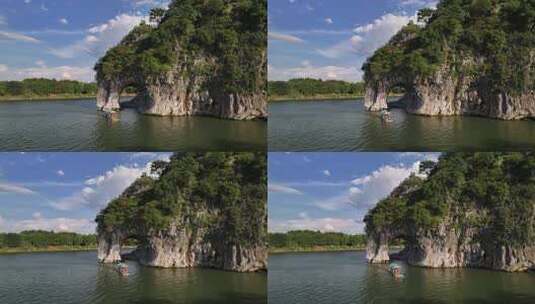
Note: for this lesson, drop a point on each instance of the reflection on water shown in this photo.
(78, 278)
(346, 126)
(347, 278)
(75, 125)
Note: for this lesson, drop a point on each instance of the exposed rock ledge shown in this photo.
(202, 228)
(180, 249)
(450, 248)
(175, 95)
(450, 245)
(448, 95)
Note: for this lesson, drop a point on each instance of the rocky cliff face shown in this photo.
(203, 233)
(174, 94)
(466, 234)
(448, 247)
(448, 94)
(183, 248)
(209, 61)
(460, 58)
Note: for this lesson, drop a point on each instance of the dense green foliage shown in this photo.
(494, 192)
(313, 87)
(225, 192)
(310, 239)
(231, 32)
(46, 87)
(491, 39)
(44, 239)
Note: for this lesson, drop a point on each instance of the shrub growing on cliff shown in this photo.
(498, 35)
(494, 192)
(232, 32)
(224, 191)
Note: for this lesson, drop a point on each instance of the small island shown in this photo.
(192, 59)
(472, 210)
(198, 210)
(462, 58)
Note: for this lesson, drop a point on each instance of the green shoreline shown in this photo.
(52, 97)
(313, 98)
(44, 250)
(315, 249)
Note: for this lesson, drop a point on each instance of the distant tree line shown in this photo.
(46, 87)
(44, 239)
(312, 87)
(308, 87)
(309, 239)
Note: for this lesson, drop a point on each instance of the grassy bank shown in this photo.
(46, 249)
(315, 249)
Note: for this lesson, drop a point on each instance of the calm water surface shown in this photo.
(76, 125)
(346, 126)
(346, 278)
(58, 278)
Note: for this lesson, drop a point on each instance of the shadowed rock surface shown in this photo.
(202, 211)
(192, 59)
(463, 58)
(473, 210)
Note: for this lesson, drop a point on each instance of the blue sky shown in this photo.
(332, 191)
(64, 191)
(63, 38)
(331, 39)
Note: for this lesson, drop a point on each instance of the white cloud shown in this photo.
(351, 73)
(368, 38)
(326, 172)
(3, 68)
(151, 3)
(27, 1)
(102, 37)
(372, 36)
(366, 191)
(59, 224)
(420, 3)
(64, 21)
(283, 189)
(138, 155)
(100, 190)
(12, 188)
(329, 20)
(60, 173)
(327, 224)
(44, 8)
(60, 72)
(284, 37)
(40, 63)
(11, 36)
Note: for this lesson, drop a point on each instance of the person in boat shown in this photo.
(395, 270)
(122, 268)
(385, 115)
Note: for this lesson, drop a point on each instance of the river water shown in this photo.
(345, 126)
(76, 125)
(76, 277)
(345, 277)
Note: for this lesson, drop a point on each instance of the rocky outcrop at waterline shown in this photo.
(468, 223)
(212, 217)
(479, 63)
(215, 68)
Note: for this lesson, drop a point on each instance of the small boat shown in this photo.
(122, 269)
(395, 270)
(386, 116)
